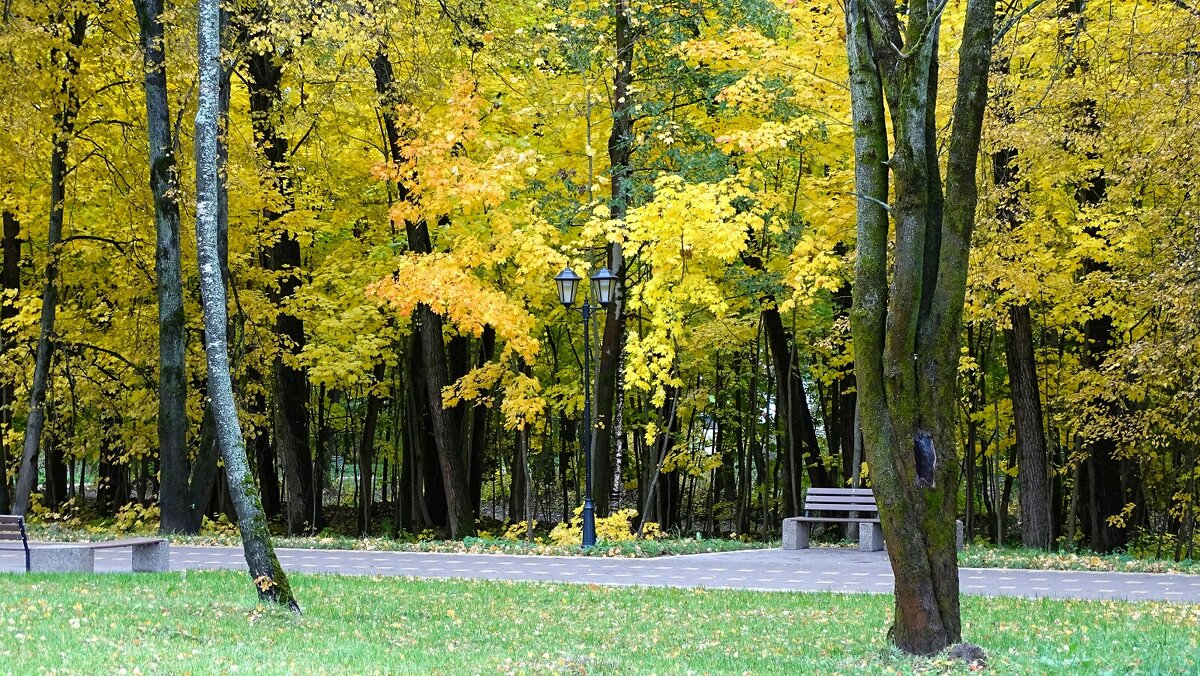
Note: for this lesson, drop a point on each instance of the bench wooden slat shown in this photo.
(840, 508)
(836, 519)
(841, 491)
(840, 498)
(15, 535)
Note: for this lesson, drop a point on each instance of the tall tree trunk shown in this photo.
(1033, 467)
(172, 339)
(10, 284)
(282, 256)
(1106, 474)
(64, 130)
(265, 571)
(1033, 472)
(803, 449)
(432, 345)
(620, 152)
(906, 329)
(803, 445)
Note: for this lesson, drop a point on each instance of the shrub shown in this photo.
(615, 528)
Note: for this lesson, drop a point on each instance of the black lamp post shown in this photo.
(604, 284)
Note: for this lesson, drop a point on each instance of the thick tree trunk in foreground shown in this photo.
(10, 284)
(64, 129)
(906, 325)
(172, 340)
(265, 571)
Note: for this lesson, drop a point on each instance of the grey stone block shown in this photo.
(795, 534)
(153, 557)
(958, 534)
(62, 559)
(870, 537)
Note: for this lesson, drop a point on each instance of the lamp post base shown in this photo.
(589, 524)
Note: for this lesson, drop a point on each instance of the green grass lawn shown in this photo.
(209, 622)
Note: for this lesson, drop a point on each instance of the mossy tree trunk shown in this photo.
(172, 338)
(268, 575)
(906, 321)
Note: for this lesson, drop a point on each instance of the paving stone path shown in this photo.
(817, 569)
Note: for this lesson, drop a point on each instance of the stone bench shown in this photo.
(150, 555)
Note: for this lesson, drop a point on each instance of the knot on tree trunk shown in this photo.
(926, 458)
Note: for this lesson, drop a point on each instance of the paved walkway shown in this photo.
(818, 569)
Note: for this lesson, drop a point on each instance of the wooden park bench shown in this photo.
(842, 505)
(150, 555)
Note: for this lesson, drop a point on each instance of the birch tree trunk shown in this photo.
(906, 325)
(172, 340)
(64, 129)
(268, 575)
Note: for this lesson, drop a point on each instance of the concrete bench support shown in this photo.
(795, 534)
(62, 559)
(152, 557)
(870, 537)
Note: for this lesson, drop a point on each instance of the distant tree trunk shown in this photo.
(620, 153)
(1106, 474)
(64, 130)
(366, 450)
(803, 444)
(265, 571)
(172, 339)
(10, 284)
(479, 424)
(1033, 473)
(906, 325)
(803, 450)
(112, 475)
(432, 345)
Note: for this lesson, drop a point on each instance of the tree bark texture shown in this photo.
(265, 571)
(906, 325)
(64, 130)
(1033, 473)
(172, 339)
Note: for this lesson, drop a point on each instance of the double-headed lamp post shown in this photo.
(604, 284)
